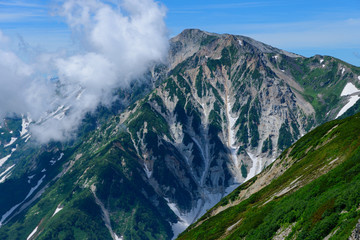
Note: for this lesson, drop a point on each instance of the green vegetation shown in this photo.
(199, 83)
(285, 137)
(321, 81)
(208, 40)
(326, 202)
(267, 145)
(254, 121)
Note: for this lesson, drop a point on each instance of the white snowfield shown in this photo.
(349, 89)
(353, 100)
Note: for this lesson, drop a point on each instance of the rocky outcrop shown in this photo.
(355, 235)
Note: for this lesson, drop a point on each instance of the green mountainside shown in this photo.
(175, 143)
(315, 196)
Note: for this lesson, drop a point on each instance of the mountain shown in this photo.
(222, 110)
(309, 192)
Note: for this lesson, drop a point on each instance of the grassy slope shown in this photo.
(325, 204)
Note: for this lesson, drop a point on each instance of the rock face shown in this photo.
(355, 235)
(222, 110)
(309, 192)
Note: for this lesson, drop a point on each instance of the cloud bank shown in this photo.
(117, 43)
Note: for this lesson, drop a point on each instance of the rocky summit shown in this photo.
(219, 112)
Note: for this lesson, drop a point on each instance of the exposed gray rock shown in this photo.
(355, 235)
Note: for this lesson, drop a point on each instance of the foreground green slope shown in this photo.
(316, 196)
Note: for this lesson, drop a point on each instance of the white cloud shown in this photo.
(119, 43)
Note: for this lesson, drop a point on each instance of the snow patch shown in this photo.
(147, 171)
(53, 161)
(13, 139)
(5, 177)
(4, 159)
(349, 89)
(8, 213)
(202, 206)
(32, 233)
(61, 156)
(24, 126)
(231, 132)
(117, 237)
(352, 101)
(359, 78)
(323, 65)
(256, 168)
(7, 170)
(241, 43)
(30, 177)
(342, 71)
(32, 190)
(27, 139)
(6, 174)
(58, 209)
(44, 170)
(321, 61)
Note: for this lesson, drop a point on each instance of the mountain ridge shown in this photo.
(220, 112)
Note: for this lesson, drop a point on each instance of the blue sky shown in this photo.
(306, 27)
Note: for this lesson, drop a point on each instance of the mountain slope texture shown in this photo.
(310, 192)
(221, 111)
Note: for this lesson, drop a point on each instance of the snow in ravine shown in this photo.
(231, 133)
(256, 168)
(201, 208)
(32, 190)
(349, 89)
(9, 212)
(353, 100)
(7, 170)
(58, 209)
(30, 177)
(147, 171)
(2, 179)
(4, 159)
(117, 237)
(6, 174)
(32, 233)
(13, 139)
